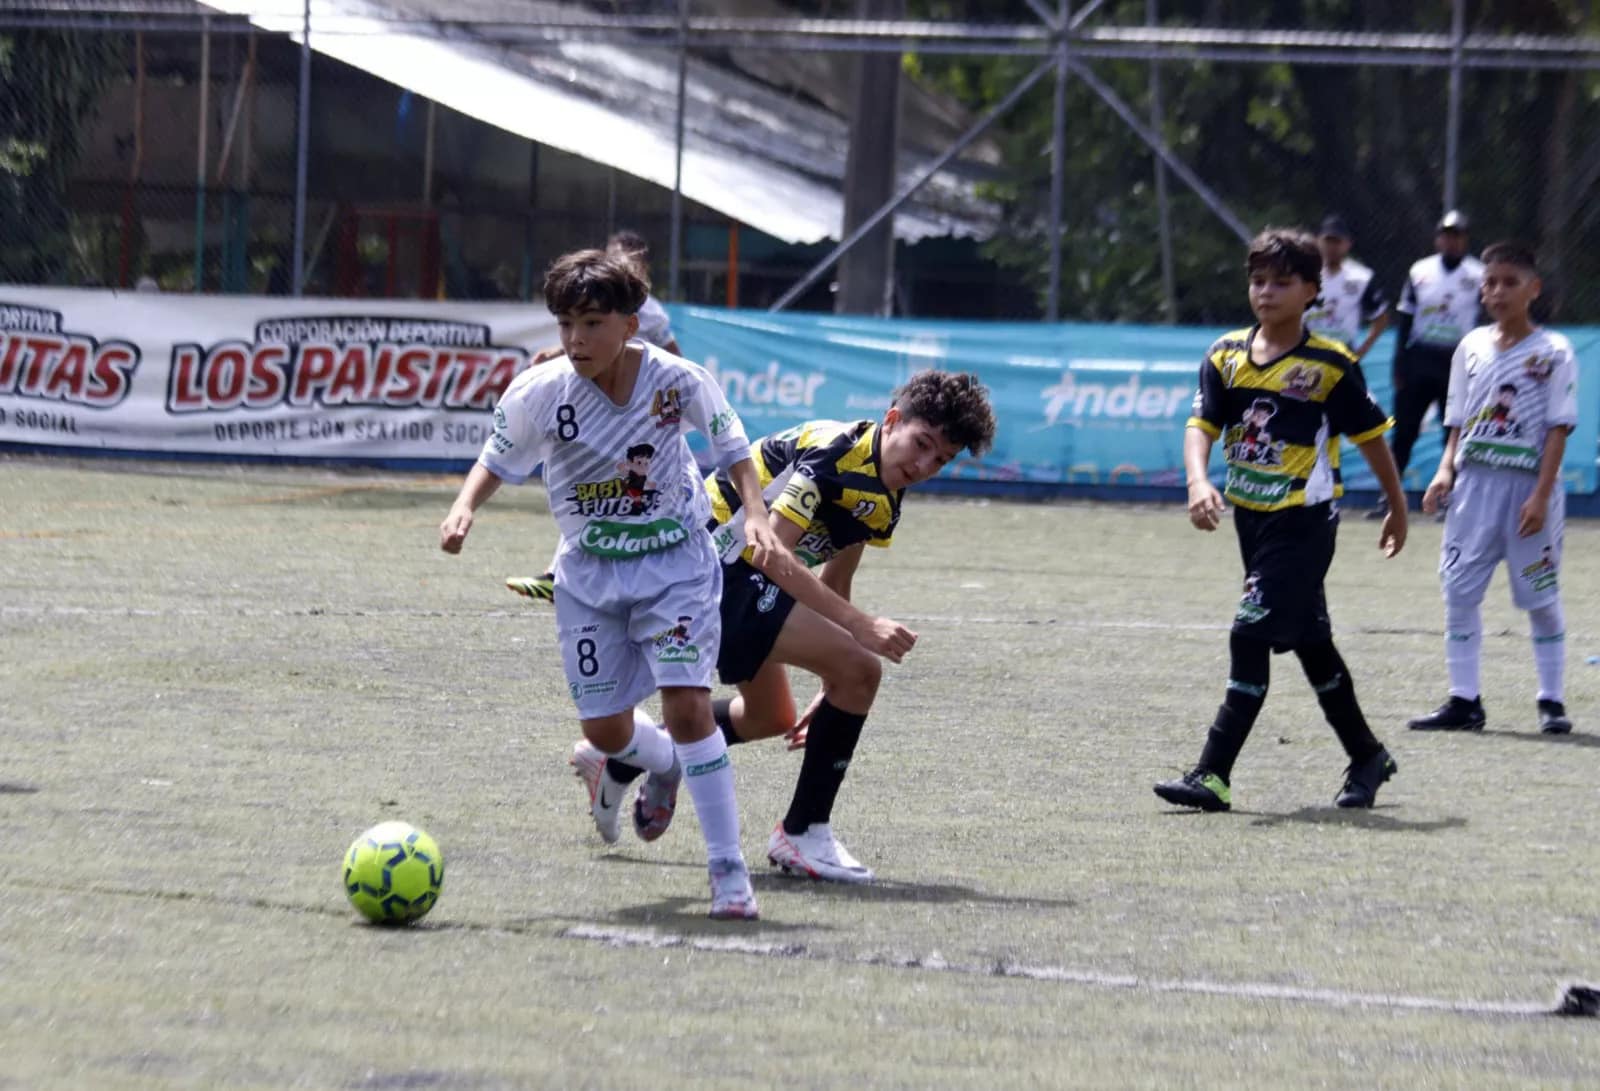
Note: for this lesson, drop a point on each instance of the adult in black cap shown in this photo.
(1350, 296)
(1438, 305)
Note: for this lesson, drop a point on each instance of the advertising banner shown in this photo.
(230, 376)
(1101, 405)
(413, 382)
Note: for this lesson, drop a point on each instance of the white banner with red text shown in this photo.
(225, 376)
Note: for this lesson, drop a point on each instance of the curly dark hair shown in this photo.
(956, 404)
(594, 278)
(1288, 251)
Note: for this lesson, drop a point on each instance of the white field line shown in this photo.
(1245, 990)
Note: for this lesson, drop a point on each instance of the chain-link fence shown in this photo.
(147, 142)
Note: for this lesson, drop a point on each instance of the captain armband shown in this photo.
(801, 497)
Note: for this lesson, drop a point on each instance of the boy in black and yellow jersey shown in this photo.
(1279, 398)
(833, 488)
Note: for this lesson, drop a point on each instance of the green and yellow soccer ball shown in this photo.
(393, 873)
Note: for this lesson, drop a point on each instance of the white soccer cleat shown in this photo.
(605, 794)
(816, 853)
(732, 897)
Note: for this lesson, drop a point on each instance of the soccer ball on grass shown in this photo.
(393, 873)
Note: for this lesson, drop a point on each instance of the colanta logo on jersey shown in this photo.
(630, 493)
(40, 360)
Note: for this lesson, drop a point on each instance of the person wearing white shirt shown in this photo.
(1350, 296)
(1438, 305)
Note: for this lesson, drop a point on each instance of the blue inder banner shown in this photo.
(1078, 404)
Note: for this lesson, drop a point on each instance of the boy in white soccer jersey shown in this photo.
(655, 327)
(1512, 400)
(640, 579)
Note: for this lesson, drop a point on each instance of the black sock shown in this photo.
(622, 772)
(1328, 675)
(1249, 668)
(830, 742)
(722, 712)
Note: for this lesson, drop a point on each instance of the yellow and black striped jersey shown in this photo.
(822, 476)
(1280, 422)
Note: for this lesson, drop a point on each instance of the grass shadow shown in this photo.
(888, 891)
(15, 789)
(1577, 738)
(1373, 819)
(688, 917)
(883, 891)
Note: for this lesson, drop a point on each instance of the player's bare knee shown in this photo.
(686, 712)
(853, 681)
(610, 734)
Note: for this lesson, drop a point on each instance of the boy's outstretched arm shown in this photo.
(1392, 535)
(879, 635)
(1444, 478)
(480, 484)
(1531, 517)
(1205, 502)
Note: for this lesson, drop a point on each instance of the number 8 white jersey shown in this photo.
(621, 478)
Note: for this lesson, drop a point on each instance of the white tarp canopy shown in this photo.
(749, 152)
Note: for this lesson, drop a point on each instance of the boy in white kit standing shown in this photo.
(640, 580)
(1513, 398)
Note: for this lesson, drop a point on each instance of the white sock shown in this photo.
(650, 748)
(1549, 627)
(708, 774)
(1463, 647)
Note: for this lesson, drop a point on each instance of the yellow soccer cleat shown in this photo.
(538, 588)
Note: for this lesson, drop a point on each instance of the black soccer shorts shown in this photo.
(1286, 557)
(754, 610)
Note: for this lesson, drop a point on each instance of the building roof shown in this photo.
(765, 157)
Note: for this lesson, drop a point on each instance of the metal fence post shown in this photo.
(1169, 288)
(676, 243)
(1452, 132)
(302, 141)
(1058, 162)
(200, 157)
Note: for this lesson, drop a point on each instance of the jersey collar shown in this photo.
(1250, 339)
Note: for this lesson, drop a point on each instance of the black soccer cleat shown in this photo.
(1362, 780)
(1553, 718)
(1197, 788)
(1456, 714)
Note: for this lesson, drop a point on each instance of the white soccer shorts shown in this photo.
(629, 627)
(1481, 531)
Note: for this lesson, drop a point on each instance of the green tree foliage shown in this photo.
(1285, 143)
(49, 82)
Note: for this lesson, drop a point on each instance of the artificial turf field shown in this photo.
(213, 678)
